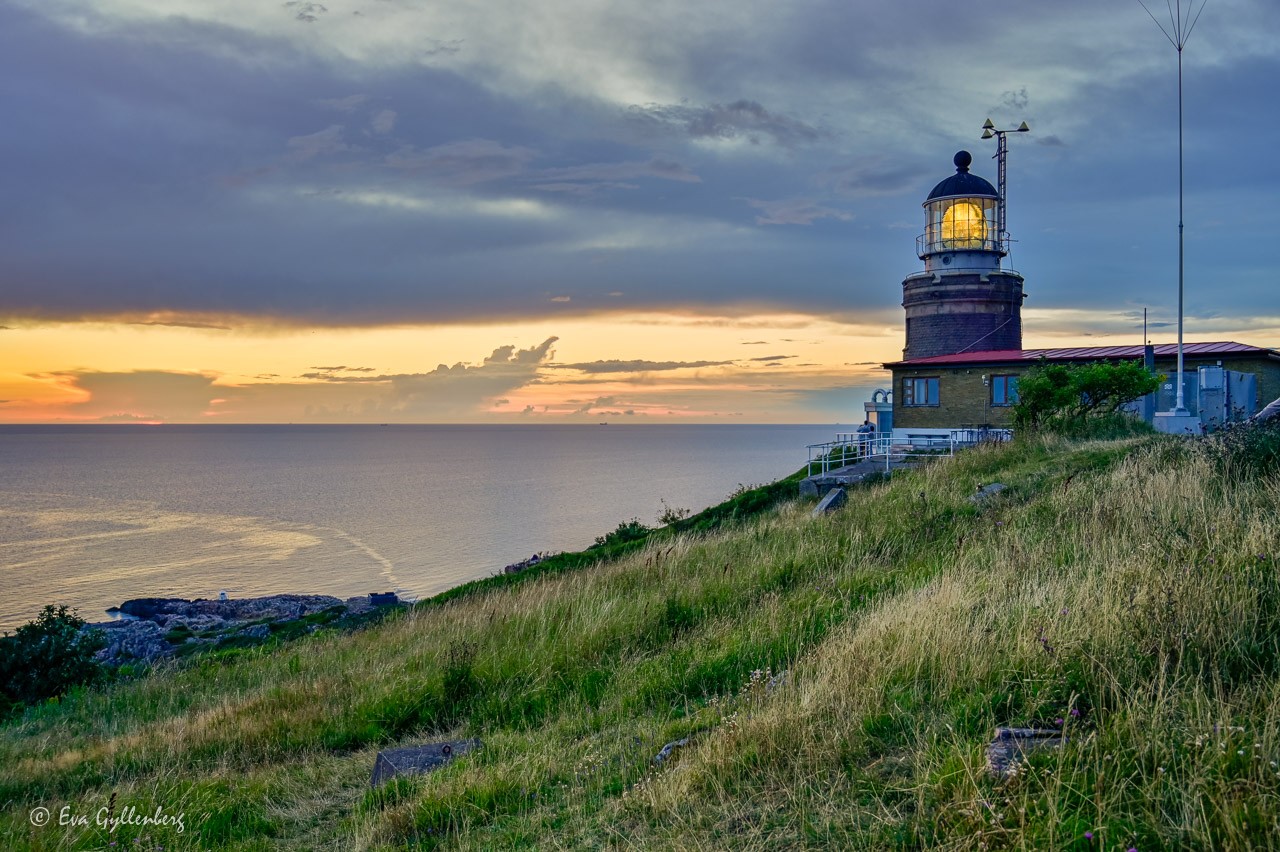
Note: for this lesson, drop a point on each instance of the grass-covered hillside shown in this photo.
(1126, 591)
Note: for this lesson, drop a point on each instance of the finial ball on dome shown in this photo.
(962, 161)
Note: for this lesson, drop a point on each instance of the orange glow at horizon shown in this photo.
(640, 367)
(655, 366)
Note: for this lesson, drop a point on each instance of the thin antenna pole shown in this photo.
(1180, 406)
(1181, 31)
(1002, 153)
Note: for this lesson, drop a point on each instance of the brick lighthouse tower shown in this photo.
(963, 301)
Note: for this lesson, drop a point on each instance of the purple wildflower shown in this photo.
(1058, 722)
(1088, 835)
(1075, 713)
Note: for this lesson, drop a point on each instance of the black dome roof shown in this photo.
(962, 183)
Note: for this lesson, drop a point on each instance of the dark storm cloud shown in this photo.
(598, 177)
(881, 177)
(200, 170)
(308, 13)
(465, 162)
(794, 211)
(739, 119)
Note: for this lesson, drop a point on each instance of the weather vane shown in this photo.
(1002, 152)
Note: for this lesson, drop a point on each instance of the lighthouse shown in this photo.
(963, 301)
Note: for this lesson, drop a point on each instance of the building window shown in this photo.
(920, 391)
(1004, 390)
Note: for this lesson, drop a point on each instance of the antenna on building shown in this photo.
(1178, 31)
(1002, 153)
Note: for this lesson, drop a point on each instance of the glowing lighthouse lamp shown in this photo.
(962, 229)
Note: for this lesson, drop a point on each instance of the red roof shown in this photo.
(1086, 353)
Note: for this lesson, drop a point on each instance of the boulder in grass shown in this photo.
(1011, 746)
(835, 498)
(417, 760)
(986, 492)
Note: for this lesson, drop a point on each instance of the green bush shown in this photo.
(631, 530)
(1247, 448)
(46, 657)
(1067, 397)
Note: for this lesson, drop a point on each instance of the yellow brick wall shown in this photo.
(963, 400)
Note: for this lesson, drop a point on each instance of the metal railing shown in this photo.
(933, 244)
(849, 448)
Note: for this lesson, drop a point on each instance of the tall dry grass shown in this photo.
(1126, 588)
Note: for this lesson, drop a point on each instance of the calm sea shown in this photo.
(93, 515)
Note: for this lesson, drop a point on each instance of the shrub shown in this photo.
(1065, 397)
(1247, 448)
(46, 657)
(672, 514)
(631, 530)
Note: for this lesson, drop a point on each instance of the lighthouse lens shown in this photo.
(964, 226)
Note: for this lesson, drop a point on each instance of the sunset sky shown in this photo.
(573, 210)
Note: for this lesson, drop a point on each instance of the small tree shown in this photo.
(46, 657)
(1069, 395)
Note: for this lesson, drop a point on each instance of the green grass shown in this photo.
(1126, 587)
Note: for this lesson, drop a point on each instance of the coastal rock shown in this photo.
(416, 760)
(156, 627)
(129, 641)
(273, 607)
(517, 567)
(149, 607)
(257, 631)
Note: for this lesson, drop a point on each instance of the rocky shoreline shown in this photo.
(153, 629)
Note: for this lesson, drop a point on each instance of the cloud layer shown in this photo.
(368, 163)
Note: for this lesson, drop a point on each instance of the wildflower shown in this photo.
(1065, 610)
(1075, 713)
(1088, 835)
(1057, 722)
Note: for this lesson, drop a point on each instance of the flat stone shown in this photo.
(1011, 745)
(417, 760)
(662, 755)
(835, 498)
(986, 492)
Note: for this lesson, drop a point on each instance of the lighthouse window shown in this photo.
(920, 391)
(1004, 390)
